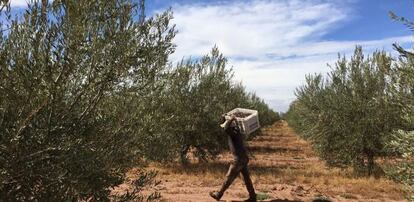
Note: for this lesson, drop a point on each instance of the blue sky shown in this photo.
(371, 16)
(273, 44)
(366, 16)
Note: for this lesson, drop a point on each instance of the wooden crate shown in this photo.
(249, 123)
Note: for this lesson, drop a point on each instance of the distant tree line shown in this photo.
(361, 110)
(87, 92)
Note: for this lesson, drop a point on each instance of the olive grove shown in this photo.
(87, 92)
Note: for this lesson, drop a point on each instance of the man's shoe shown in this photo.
(216, 195)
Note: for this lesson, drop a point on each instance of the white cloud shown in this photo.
(310, 58)
(253, 28)
(22, 3)
(271, 45)
(19, 3)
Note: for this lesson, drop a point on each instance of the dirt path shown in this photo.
(284, 168)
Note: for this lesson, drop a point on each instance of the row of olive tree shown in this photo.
(349, 115)
(198, 93)
(87, 93)
(361, 110)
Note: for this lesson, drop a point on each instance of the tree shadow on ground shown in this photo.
(220, 168)
(259, 149)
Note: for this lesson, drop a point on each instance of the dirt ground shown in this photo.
(283, 168)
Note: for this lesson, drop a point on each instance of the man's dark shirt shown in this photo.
(236, 143)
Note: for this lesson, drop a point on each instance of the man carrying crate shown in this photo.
(241, 159)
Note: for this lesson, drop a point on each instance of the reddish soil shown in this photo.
(283, 168)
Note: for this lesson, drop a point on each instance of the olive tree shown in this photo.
(74, 81)
(402, 141)
(199, 92)
(351, 114)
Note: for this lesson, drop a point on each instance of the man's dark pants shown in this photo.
(239, 165)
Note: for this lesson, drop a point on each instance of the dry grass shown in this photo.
(284, 167)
